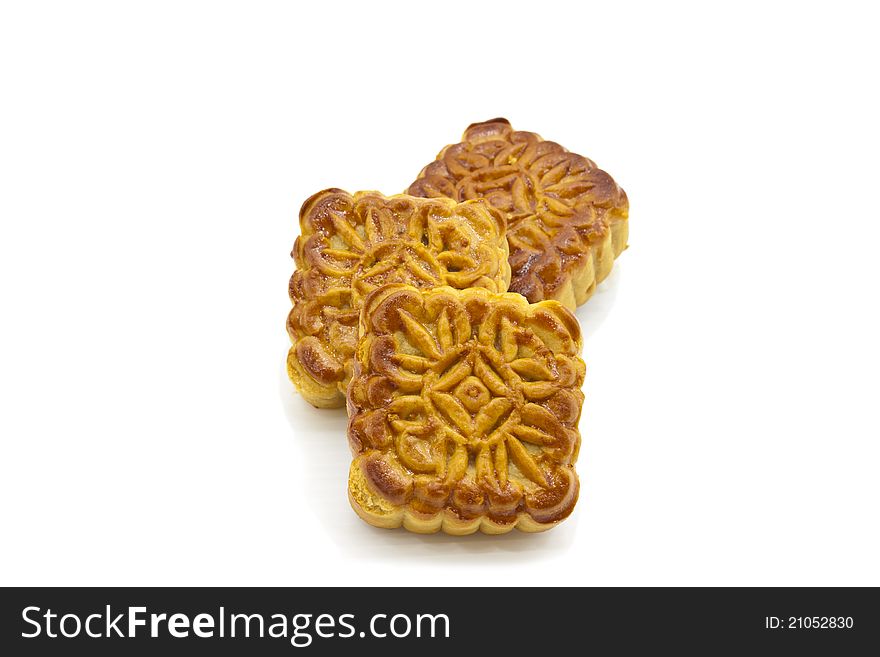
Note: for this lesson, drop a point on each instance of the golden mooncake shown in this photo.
(567, 219)
(463, 411)
(352, 244)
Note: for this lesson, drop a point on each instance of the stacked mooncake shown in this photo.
(443, 318)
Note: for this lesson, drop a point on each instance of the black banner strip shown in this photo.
(511, 621)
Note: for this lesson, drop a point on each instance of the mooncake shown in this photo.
(567, 219)
(352, 244)
(463, 411)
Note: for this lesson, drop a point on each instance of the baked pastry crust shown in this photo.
(352, 244)
(567, 219)
(463, 411)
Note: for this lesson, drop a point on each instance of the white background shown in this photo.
(153, 157)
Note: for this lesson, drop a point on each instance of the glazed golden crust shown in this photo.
(567, 219)
(352, 244)
(463, 411)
